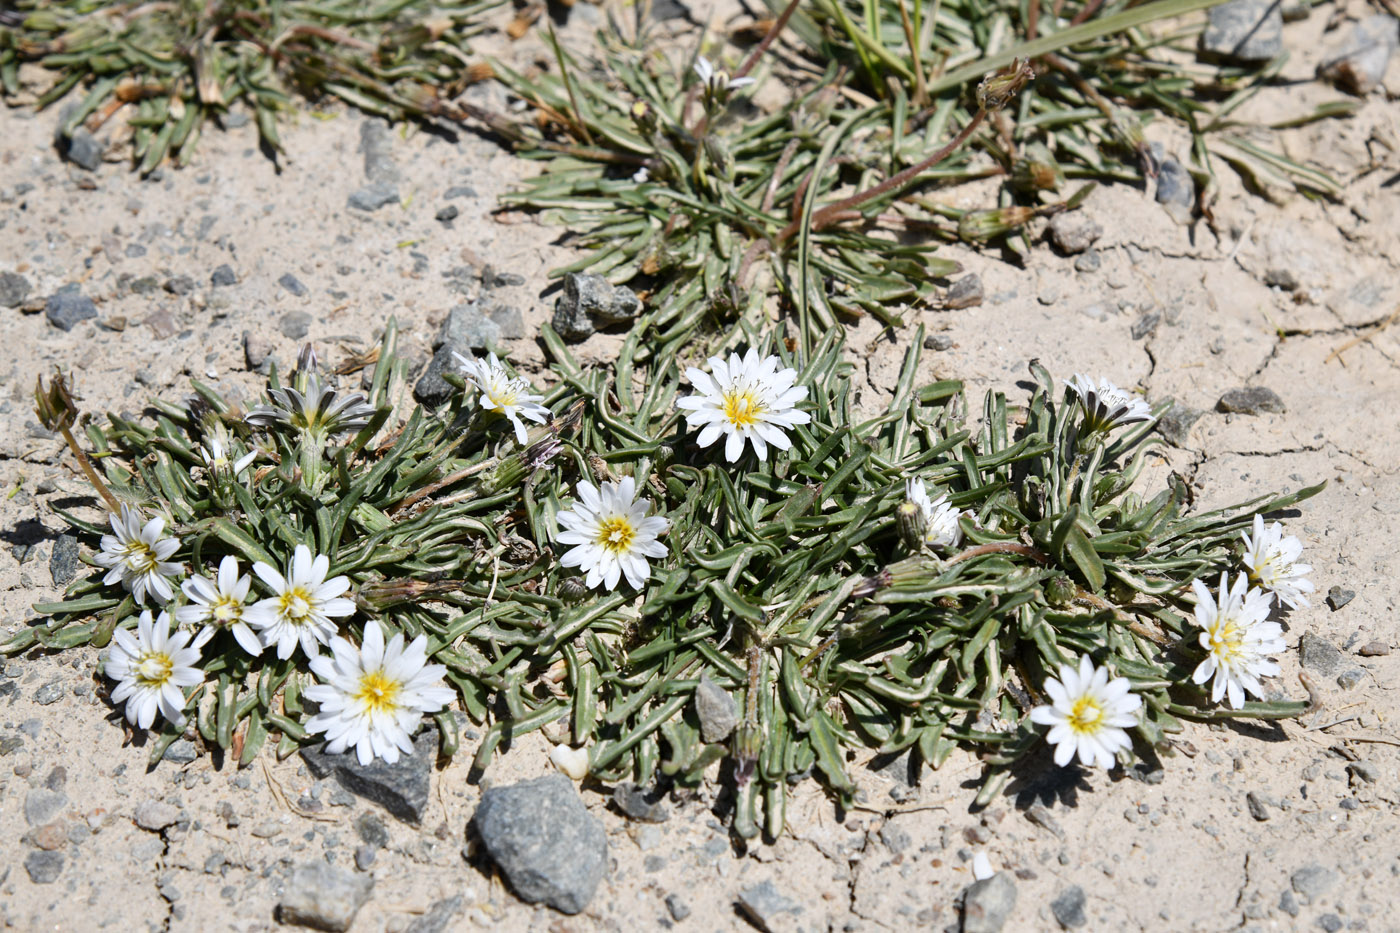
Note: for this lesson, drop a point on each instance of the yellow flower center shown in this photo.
(616, 535)
(1225, 641)
(153, 669)
(1086, 715)
(741, 407)
(227, 610)
(295, 605)
(377, 692)
(503, 393)
(139, 557)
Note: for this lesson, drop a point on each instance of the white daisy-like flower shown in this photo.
(1106, 406)
(717, 82)
(137, 554)
(746, 399)
(612, 534)
(310, 405)
(221, 603)
(641, 175)
(1272, 561)
(941, 528)
(373, 698)
(502, 392)
(303, 605)
(215, 455)
(1237, 637)
(1088, 714)
(151, 668)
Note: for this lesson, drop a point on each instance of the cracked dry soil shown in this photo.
(1284, 826)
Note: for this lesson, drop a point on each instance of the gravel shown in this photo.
(155, 815)
(295, 325)
(591, 301)
(716, 709)
(401, 788)
(436, 918)
(1374, 649)
(466, 328)
(49, 693)
(1251, 400)
(544, 840)
(639, 803)
(988, 903)
(1257, 808)
(293, 284)
(966, 292)
(68, 307)
(44, 867)
(1244, 31)
(82, 149)
(1176, 424)
(1320, 655)
(371, 198)
(1146, 324)
(1073, 233)
(1176, 189)
(766, 906)
(1348, 679)
(1312, 881)
(383, 189)
(677, 907)
(447, 214)
(14, 288)
(1068, 908)
(324, 897)
(42, 805)
(1089, 261)
(1360, 62)
(1339, 596)
(63, 563)
(223, 276)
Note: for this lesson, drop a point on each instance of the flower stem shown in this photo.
(90, 472)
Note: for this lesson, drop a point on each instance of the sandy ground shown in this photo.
(1170, 846)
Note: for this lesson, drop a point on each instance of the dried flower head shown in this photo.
(312, 406)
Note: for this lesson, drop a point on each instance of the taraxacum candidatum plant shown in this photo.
(913, 580)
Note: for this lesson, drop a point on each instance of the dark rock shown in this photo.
(1244, 31)
(1365, 771)
(492, 278)
(1313, 881)
(509, 320)
(401, 788)
(49, 693)
(294, 325)
(764, 905)
(293, 284)
(371, 198)
(57, 778)
(1176, 189)
(1359, 64)
(1288, 903)
(676, 907)
(1339, 596)
(590, 301)
(938, 342)
(1146, 324)
(323, 897)
(639, 803)
(376, 142)
(68, 307)
(1068, 908)
(145, 285)
(1348, 679)
(966, 292)
(465, 329)
(1089, 261)
(364, 857)
(1176, 424)
(179, 285)
(1251, 400)
(716, 709)
(155, 815)
(1073, 233)
(1320, 655)
(63, 564)
(459, 191)
(82, 149)
(14, 288)
(988, 903)
(223, 276)
(44, 867)
(371, 831)
(42, 805)
(447, 214)
(1040, 815)
(436, 918)
(1330, 922)
(1374, 649)
(545, 842)
(1257, 809)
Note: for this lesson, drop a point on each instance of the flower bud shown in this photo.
(643, 117)
(998, 90)
(909, 519)
(980, 226)
(1037, 170)
(1060, 591)
(747, 743)
(572, 589)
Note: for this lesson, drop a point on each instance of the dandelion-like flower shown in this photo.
(940, 519)
(372, 698)
(1237, 639)
(717, 83)
(746, 399)
(221, 603)
(310, 405)
(1106, 406)
(1088, 714)
(502, 392)
(215, 454)
(303, 605)
(612, 534)
(138, 554)
(1272, 561)
(151, 668)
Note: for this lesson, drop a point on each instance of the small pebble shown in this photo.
(1339, 596)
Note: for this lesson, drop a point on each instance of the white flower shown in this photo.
(151, 667)
(304, 604)
(641, 175)
(215, 456)
(748, 399)
(502, 392)
(941, 528)
(137, 555)
(1088, 713)
(1237, 639)
(1271, 559)
(221, 604)
(310, 405)
(571, 761)
(374, 697)
(1106, 406)
(717, 84)
(612, 534)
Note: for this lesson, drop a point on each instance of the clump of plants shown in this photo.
(584, 557)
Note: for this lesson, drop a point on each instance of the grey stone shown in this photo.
(1088, 261)
(1073, 233)
(376, 142)
(42, 805)
(544, 840)
(716, 709)
(459, 191)
(1312, 881)
(1320, 655)
(1176, 189)
(82, 149)
(938, 342)
(134, 251)
(63, 563)
(895, 837)
(295, 325)
(68, 307)
(371, 198)
(639, 804)
(436, 918)
(1339, 596)
(1146, 324)
(1257, 809)
(44, 867)
(14, 288)
(1176, 424)
(509, 320)
(371, 830)
(323, 897)
(677, 907)
(401, 788)
(293, 284)
(966, 292)
(1360, 62)
(49, 693)
(255, 350)
(1330, 922)
(180, 752)
(589, 301)
(988, 903)
(447, 214)
(1288, 903)
(1068, 908)
(223, 276)
(57, 778)
(364, 857)
(1348, 679)
(145, 285)
(764, 905)
(1244, 31)
(492, 278)
(1365, 771)
(1251, 400)
(155, 815)
(466, 328)
(179, 285)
